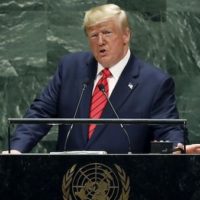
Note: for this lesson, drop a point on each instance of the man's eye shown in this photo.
(107, 32)
(93, 35)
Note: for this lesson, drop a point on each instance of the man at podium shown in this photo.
(108, 82)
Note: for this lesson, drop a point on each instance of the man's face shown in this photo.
(108, 42)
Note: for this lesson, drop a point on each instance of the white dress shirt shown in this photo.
(115, 70)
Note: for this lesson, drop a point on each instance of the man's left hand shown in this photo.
(193, 149)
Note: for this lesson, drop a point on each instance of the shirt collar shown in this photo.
(116, 69)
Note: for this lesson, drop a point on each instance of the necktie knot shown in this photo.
(106, 73)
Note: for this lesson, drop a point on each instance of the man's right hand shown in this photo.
(13, 151)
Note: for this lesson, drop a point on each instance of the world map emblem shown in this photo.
(96, 181)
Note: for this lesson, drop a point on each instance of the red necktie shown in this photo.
(99, 100)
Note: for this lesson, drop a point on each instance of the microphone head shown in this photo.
(101, 87)
(86, 82)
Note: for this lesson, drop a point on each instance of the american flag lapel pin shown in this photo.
(130, 85)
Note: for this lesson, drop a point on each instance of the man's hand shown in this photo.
(13, 151)
(190, 149)
(193, 149)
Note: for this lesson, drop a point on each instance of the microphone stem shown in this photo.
(75, 113)
(84, 87)
(129, 142)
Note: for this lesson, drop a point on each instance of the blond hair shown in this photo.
(104, 12)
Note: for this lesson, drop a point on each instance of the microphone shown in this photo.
(84, 86)
(102, 89)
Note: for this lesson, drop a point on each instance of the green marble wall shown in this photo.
(34, 34)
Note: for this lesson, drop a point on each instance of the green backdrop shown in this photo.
(34, 34)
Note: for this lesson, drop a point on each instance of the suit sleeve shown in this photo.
(45, 105)
(164, 107)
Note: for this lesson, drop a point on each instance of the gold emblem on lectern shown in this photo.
(95, 181)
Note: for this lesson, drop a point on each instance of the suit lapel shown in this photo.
(124, 87)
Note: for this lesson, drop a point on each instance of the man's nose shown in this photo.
(100, 39)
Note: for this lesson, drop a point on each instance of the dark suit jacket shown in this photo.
(142, 91)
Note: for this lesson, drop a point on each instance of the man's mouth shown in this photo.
(102, 51)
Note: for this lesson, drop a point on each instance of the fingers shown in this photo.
(193, 149)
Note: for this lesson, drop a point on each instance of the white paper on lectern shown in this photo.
(79, 153)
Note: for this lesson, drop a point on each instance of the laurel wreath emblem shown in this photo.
(125, 182)
(67, 179)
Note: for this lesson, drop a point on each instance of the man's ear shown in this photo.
(126, 35)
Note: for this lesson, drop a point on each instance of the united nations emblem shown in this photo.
(95, 181)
